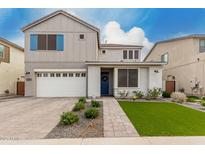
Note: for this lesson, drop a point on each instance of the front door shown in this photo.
(104, 83)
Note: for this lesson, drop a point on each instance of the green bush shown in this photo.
(79, 106)
(95, 103)
(193, 97)
(166, 94)
(82, 99)
(154, 93)
(189, 99)
(91, 113)
(203, 103)
(138, 94)
(68, 118)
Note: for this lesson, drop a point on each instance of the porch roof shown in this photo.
(114, 63)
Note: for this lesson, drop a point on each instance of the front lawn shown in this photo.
(164, 119)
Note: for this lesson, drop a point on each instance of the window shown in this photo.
(136, 54)
(65, 74)
(58, 75)
(202, 46)
(45, 74)
(52, 75)
(124, 54)
(132, 78)
(51, 42)
(130, 54)
(82, 36)
(46, 42)
(39, 75)
(41, 42)
(70, 74)
(2, 48)
(128, 78)
(164, 58)
(82, 74)
(122, 78)
(77, 74)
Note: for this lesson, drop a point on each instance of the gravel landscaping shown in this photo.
(84, 128)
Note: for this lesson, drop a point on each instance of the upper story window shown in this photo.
(2, 48)
(202, 45)
(164, 58)
(46, 42)
(82, 36)
(131, 54)
(124, 54)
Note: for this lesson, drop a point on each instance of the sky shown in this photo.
(127, 26)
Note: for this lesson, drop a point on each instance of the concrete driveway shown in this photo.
(31, 118)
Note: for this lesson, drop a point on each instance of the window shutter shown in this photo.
(33, 42)
(59, 42)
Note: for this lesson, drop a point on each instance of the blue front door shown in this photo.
(104, 83)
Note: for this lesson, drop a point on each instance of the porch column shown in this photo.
(93, 81)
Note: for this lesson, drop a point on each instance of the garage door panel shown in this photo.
(61, 86)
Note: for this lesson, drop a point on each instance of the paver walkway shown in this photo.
(116, 122)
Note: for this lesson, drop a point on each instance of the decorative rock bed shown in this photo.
(84, 128)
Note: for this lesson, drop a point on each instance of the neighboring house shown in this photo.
(185, 68)
(64, 58)
(11, 66)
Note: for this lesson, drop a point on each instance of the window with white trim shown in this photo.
(202, 45)
(77, 74)
(127, 77)
(2, 48)
(164, 58)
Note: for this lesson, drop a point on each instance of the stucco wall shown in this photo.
(185, 63)
(10, 72)
(147, 79)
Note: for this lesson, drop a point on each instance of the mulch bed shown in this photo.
(83, 129)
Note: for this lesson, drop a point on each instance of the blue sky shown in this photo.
(157, 24)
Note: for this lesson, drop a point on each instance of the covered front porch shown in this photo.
(109, 79)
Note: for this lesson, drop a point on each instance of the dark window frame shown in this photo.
(126, 80)
(201, 48)
(82, 36)
(130, 54)
(124, 54)
(136, 54)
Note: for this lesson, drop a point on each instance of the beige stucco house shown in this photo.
(11, 66)
(185, 58)
(64, 58)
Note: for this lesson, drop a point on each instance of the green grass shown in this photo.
(164, 119)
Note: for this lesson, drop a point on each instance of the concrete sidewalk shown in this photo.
(112, 141)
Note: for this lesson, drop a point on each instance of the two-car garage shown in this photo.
(71, 83)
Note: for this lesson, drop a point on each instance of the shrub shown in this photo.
(203, 103)
(91, 113)
(79, 106)
(68, 118)
(95, 103)
(190, 99)
(166, 94)
(194, 97)
(203, 98)
(154, 93)
(123, 93)
(138, 94)
(178, 97)
(82, 99)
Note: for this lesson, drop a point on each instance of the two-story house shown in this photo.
(11, 67)
(185, 63)
(64, 58)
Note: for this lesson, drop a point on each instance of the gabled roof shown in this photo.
(51, 15)
(11, 44)
(119, 46)
(175, 39)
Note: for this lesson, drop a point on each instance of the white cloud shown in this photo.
(112, 33)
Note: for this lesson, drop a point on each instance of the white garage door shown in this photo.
(61, 84)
